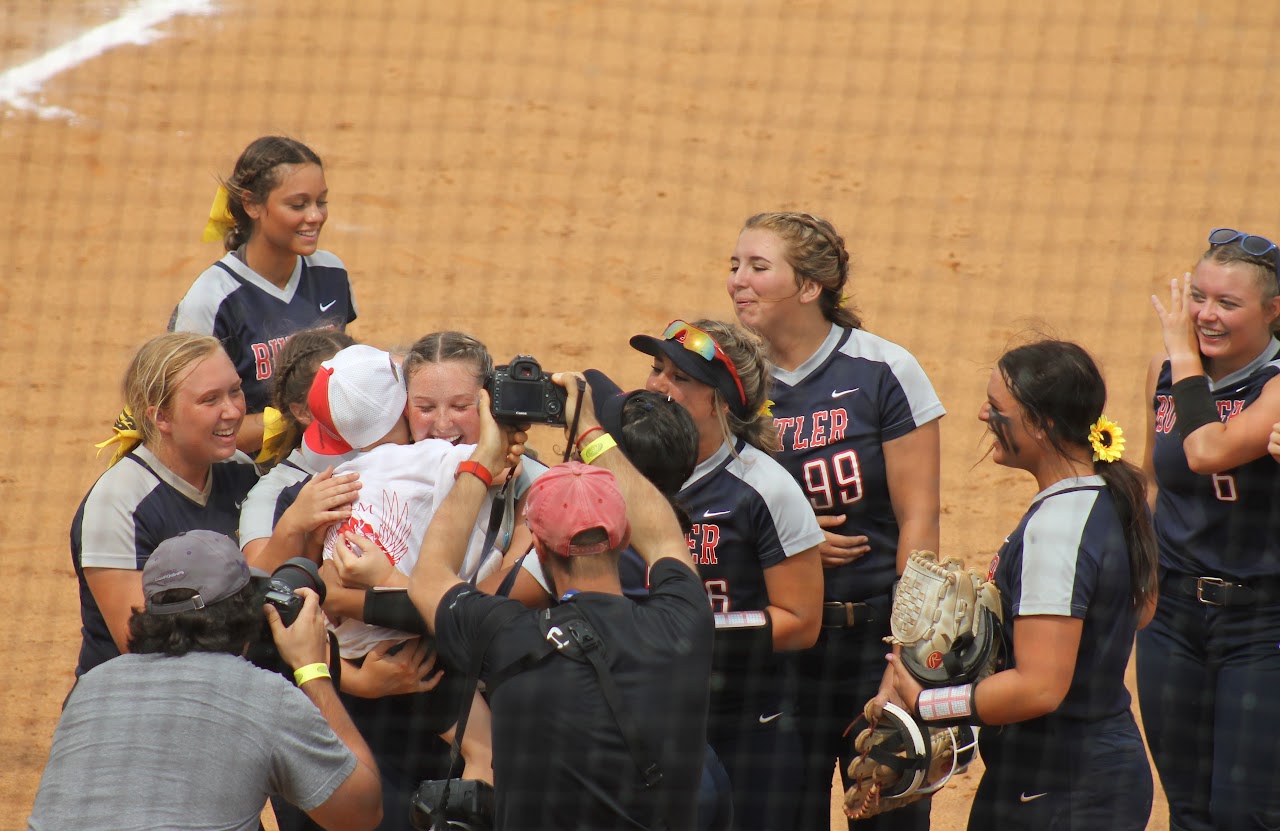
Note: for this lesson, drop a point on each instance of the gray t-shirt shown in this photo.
(196, 742)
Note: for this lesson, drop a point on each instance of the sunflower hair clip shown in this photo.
(1107, 440)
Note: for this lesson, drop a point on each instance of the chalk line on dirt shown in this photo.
(136, 26)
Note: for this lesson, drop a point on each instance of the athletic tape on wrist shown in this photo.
(947, 704)
(1193, 405)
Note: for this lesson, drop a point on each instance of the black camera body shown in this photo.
(470, 805)
(521, 393)
(278, 590)
(293, 574)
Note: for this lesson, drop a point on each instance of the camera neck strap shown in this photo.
(499, 512)
(496, 618)
(577, 412)
(567, 631)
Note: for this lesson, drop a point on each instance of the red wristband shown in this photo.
(578, 441)
(475, 469)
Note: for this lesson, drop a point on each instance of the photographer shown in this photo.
(566, 754)
(183, 732)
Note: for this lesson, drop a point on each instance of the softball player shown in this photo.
(1077, 575)
(1208, 666)
(270, 532)
(445, 372)
(175, 469)
(858, 423)
(755, 545)
(273, 281)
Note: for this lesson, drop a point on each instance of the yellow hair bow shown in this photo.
(273, 433)
(221, 222)
(126, 435)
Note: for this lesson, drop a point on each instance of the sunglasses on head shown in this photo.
(700, 343)
(1251, 244)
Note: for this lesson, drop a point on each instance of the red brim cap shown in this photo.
(321, 436)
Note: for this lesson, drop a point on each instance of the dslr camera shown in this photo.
(467, 806)
(293, 574)
(278, 590)
(521, 393)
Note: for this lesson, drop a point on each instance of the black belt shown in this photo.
(1214, 591)
(848, 615)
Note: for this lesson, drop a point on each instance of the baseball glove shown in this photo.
(900, 761)
(947, 620)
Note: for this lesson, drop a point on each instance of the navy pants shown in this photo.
(833, 680)
(762, 761)
(1209, 689)
(1063, 775)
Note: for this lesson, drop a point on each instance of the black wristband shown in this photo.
(1193, 405)
(394, 610)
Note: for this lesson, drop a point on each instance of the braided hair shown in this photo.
(295, 367)
(255, 175)
(817, 254)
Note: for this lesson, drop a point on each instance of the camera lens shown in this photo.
(298, 573)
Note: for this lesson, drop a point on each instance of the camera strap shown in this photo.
(497, 513)
(583, 644)
(496, 618)
(577, 411)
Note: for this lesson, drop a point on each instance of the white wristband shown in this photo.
(946, 703)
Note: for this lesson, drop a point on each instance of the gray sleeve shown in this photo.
(198, 310)
(258, 512)
(309, 761)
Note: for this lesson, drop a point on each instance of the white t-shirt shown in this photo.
(401, 488)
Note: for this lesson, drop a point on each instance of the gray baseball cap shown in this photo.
(208, 563)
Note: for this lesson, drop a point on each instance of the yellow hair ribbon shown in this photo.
(221, 222)
(127, 436)
(273, 430)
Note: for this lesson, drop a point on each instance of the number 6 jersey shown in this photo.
(834, 413)
(1226, 524)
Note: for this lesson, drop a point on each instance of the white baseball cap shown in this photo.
(356, 398)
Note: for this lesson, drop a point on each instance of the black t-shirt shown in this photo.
(559, 757)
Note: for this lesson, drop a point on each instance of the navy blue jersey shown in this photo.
(253, 318)
(272, 496)
(1226, 524)
(134, 506)
(834, 413)
(1068, 557)
(748, 515)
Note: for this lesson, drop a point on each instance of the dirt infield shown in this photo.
(556, 175)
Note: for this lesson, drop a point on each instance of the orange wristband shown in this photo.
(578, 441)
(475, 469)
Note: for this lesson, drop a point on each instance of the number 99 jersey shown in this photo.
(834, 413)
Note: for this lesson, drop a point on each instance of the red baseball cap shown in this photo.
(571, 498)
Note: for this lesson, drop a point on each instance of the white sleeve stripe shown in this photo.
(198, 310)
(792, 516)
(921, 396)
(1050, 551)
(107, 533)
(258, 514)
